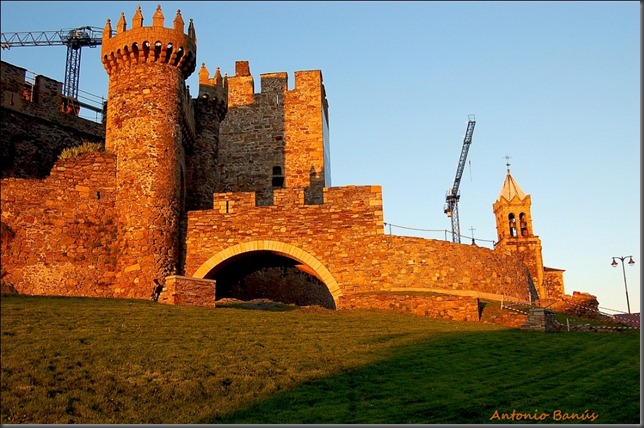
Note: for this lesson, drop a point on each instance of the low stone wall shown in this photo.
(59, 234)
(182, 290)
(580, 304)
(540, 319)
(458, 308)
(496, 315)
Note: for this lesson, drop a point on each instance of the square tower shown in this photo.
(277, 138)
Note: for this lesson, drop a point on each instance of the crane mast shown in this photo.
(74, 39)
(451, 207)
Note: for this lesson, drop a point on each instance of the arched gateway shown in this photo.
(313, 265)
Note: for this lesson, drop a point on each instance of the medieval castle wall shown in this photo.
(210, 109)
(553, 284)
(346, 235)
(35, 125)
(460, 308)
(189, 186)
(274, 138)
(59, 234)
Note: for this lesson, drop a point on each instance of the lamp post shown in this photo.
(631, 263)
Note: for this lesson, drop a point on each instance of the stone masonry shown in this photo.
(375, 262)
(35, 127)
(272, 139)
(457, 308)
(225, 193)
(180, 290)
(59, 234)
(147, 130)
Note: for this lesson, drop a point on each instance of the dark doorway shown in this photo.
(265, 275)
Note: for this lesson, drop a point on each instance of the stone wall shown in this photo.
(579, 304)
(201, 160)
(305, 117)
(180, 290)
(432, 265)
(540, 319)
(503, 316)
(34, 128)
(105, 225)
(252, 141)
(528, 251)
(457, 308)
(553, 283)
(149, 126)
(151, 166)
(274, 138)
(59, 233)
(345, 235)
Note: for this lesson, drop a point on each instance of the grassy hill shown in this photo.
(102, 361)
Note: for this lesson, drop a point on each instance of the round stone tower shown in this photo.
(149, 126)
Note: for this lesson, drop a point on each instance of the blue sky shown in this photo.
(554, 85)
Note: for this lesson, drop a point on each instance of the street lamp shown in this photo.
(631, 262)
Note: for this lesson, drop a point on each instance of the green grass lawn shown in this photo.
(102, 361)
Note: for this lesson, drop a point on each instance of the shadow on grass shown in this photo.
(472, 378)
(92, 360)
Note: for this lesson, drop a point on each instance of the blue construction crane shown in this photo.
(451, 207)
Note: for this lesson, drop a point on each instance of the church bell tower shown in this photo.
(515, 233)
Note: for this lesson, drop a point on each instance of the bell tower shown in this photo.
(514, 230)
(149, 127)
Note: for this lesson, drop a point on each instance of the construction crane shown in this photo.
(74, 39)
(451, 207)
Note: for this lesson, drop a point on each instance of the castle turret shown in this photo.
(149, 127)
(514, 230)
(201, 163)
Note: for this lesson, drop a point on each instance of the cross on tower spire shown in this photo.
(507, 162)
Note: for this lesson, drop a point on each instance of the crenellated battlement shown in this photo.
(149, 44)
(232, 185)
(337, 198)
(37, 95)
(37, 104)
(282, 132)
(274, 85)
(213, 92)
(151, 129)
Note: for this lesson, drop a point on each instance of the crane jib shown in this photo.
(451, 208)
(74, 39)
(461, 162)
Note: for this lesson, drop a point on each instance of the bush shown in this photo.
(71, 152)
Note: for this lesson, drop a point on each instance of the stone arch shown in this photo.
(512, 222)
(279, 248)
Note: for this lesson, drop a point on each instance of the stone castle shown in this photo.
(226, 195)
